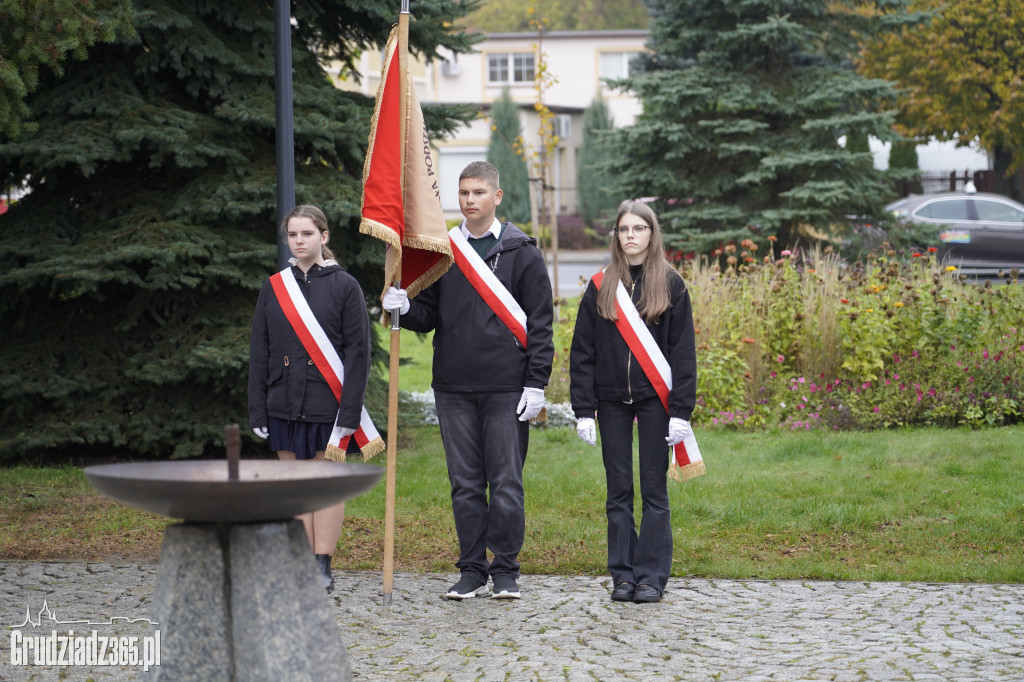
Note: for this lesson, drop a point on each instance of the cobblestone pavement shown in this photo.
(566, 628)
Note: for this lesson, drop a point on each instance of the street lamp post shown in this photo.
(285, 123)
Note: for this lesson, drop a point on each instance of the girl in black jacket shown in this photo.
(290, 402)
(606, 379)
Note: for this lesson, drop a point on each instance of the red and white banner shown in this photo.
(327, 360)
(655, 365)
(490, 288)
(402, 206)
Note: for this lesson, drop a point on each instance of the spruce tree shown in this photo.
(506, 151)
(593, 196)
(743, 106)
(37, 34)
(903, 156)
(129, 273)
(857, 142)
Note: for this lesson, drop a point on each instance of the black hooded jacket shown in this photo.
(473, 349)
(601, 366)
(283, 381)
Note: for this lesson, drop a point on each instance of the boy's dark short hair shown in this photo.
(481, 170)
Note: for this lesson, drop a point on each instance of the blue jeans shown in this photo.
(644, 558)
(485, 448)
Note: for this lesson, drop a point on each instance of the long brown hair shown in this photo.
(318, 218)
(655, 297)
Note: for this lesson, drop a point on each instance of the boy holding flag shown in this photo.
(491, 316)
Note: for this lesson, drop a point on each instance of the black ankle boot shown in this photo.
(323, 561)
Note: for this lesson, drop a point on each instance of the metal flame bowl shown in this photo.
(200, 490)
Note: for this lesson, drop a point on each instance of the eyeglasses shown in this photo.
(632, 229)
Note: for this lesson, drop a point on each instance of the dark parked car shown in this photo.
(980, 233)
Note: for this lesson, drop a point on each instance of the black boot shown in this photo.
(323, 561)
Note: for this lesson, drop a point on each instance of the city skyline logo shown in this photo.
(64, 647)
(51, 616)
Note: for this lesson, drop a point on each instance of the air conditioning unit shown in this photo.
(562, 126)
(449, 68)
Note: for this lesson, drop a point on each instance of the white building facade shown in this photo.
(580, 63)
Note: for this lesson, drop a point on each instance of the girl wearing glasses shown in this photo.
(607, 381)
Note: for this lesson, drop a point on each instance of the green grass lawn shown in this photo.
(918, 505)
(922, 505)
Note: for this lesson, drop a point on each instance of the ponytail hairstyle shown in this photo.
(318, 218)
(655, 297)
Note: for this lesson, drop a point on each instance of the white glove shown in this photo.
(261, 431)
(395, 298)
(530, 404)
(346, 432)
(678, 429)
(586, 430)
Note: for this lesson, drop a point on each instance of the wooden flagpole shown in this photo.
(392, 454)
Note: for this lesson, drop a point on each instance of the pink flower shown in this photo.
(780, 359)
(876, 410)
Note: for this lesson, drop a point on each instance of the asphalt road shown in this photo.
(575, 269)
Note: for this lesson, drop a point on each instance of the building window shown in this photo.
(514, 67)
(616, 64)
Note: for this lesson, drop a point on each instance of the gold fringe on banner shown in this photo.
(373, 448)
(334, 453)
(691, 470)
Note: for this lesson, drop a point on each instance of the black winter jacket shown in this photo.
(473, 349)
(601, 366)
(283, 381)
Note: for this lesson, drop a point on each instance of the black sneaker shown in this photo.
(505, 587)
(468, 587)
(646, 594)
(623, 591)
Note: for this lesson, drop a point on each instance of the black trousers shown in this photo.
(644, 557)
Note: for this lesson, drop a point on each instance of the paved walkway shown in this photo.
(565, 628)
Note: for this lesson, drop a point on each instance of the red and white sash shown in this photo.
(327, 360)
(655, 365)
(490, 288)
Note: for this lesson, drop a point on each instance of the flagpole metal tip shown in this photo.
(387, 599)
